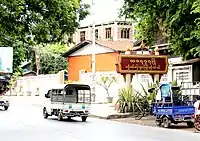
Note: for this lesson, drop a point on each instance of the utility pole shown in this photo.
(93, 52)
(37, 57)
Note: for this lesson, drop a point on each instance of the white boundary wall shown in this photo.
(31, 83)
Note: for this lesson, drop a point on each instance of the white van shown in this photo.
(70, 100)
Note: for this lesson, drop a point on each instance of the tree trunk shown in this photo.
(107, 93)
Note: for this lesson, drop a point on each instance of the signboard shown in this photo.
(150, 64)
(6, 59)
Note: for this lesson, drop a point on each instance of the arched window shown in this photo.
(125, 33)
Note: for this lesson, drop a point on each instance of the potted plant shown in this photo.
(106, 82)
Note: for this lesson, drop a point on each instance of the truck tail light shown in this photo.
(86, 111)
(66, 111)
(177, 116)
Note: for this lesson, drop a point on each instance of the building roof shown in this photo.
(117, 46)
(28, 72)
(188, 62)
(107, 23)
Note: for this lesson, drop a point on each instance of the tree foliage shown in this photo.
(26, 23)
(178, 20)
(51, 61)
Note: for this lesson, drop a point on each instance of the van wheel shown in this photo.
(69, 118)
(84, 118)
(60, 117)
(45, 114)
(5, 108)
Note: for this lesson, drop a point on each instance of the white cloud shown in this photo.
(105, 10)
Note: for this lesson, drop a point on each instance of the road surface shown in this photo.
(24, 122)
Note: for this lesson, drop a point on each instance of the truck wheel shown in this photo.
(84, 118)
(190, 124)
(166, 122)
(158, 123)
(60, 117)
(5, 108)
(45, 114)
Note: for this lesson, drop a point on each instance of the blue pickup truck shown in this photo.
(170, 110)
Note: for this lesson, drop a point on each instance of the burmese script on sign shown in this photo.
(148, 64)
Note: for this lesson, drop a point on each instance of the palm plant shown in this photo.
(125, 100)
(131, 101)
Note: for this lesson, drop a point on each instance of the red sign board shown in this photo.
(151, 64)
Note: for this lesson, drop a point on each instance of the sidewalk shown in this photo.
(106, 111)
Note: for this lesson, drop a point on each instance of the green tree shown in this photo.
(175, 19)
(51, 61)
(27, 23)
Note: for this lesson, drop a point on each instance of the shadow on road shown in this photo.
(68, 120)
(2, 110)
(180, 127)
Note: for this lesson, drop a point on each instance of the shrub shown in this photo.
(125, 100)
(150, 96)
(131, 101)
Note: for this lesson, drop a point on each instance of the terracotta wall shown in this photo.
(104, 62)
(77, 63)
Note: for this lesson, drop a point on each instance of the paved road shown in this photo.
(24, 122)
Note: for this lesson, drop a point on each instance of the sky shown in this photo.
(105, 10)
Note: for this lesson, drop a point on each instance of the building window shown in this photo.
(96, 34)
(125, 33)
(108, 33)
(82, 36)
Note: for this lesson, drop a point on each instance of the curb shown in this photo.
(113, 116)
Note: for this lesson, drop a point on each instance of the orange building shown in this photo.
(80, 57)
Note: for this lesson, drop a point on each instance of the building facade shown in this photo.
(116, 30)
